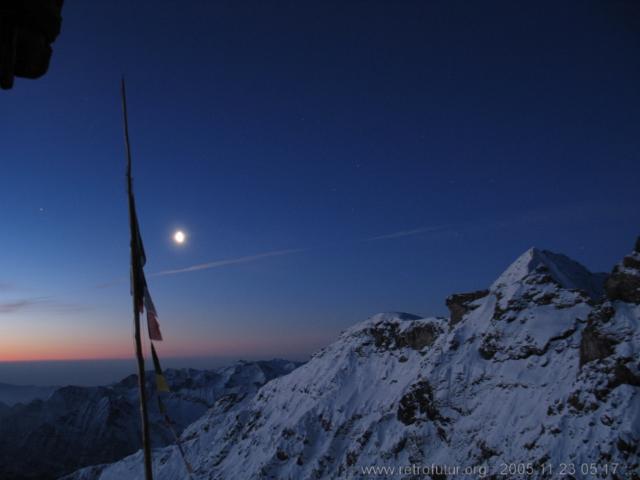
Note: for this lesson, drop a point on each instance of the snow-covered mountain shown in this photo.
(79, 426)
(536, 377)
(12, 394)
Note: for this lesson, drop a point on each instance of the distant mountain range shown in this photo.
(63, 429)
(537, 376)
(12, 394)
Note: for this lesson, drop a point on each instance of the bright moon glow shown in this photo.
(179, 237)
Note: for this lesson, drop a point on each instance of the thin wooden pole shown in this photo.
(136, 294)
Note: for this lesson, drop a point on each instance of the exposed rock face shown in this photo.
(594, 346)
(418, 405)
(396, 335)
(596, 343)
(419, 337)
(624, 282)
(459, 304)
(622, 286)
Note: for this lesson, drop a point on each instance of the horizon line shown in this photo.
(166, 357)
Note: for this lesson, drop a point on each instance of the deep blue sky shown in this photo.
(481, 127)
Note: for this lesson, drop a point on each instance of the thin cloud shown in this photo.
(16, 305)
(229, 261)
(5, 286)
(46, 302)
(66, 307)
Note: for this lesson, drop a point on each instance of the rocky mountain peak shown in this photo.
(535, 267)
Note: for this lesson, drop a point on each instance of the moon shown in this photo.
(179, 237)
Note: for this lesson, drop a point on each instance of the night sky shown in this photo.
(327, 160)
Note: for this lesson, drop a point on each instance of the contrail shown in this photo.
(530, 216)
(276, 253)
(229, 261)
(48, 302)
(407, 233)
(10, 307)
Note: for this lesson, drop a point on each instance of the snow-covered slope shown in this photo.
(538, 374)
(79, 426)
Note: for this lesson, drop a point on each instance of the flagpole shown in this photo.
(136, 294)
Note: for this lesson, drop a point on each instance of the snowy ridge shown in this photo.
(559, 268)
(540, 370)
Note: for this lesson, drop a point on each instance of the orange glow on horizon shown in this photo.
(56, 343)
(34, 352)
